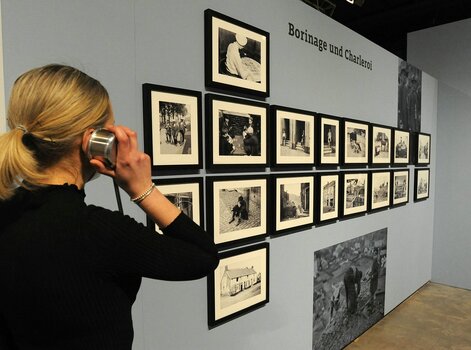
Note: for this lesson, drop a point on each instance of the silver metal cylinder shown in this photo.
(103, 146)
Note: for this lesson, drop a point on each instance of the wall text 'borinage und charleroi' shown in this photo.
(324, 46)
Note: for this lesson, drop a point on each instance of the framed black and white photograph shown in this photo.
(329, 140)
(354, 193)
(400, 187)
(293, 202)
(293, 136)
(423, 143)
(356, 146)
(349, 289)
(172, 127)
(328, 192)
(380, 190)
(401, 150)
(381, 140)
(186, 194)
(409, 97)
(237, 208)
(240, 283)
(237, 132)
(421, 184)
(236, 55)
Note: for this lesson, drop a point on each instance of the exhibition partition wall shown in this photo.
(315, 65)
(444, 52)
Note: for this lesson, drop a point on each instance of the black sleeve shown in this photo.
(126, 247)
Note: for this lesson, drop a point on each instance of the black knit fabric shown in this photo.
(69, 273)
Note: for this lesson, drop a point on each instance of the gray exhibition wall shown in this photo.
(444, 52)
(127, 43)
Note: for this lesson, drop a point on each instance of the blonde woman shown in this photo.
(70, 271)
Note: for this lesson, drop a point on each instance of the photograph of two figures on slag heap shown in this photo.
(239, 134)
(349, 289)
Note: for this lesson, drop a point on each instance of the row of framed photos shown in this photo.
(250, 134)
(244, 208)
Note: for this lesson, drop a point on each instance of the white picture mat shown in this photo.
(398, 134)
(376, 131)
(280, 225)
(244, 233)
(170, 159)
(257, 259)
(309, 123)
(194, 188)
(325, 180)
(423, 175)
(423, 140)
(336, 123)
(376, 180)
(226, 79)
(244, 109)
(362, 177)
(354, 125)
(403, 199)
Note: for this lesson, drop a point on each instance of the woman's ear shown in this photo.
(85, 139)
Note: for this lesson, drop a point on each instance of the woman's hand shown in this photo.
(133, 169)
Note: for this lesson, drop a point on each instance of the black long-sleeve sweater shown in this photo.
(69, 273)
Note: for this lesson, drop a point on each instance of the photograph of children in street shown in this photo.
(349, 289)
(237, 132)
(172, 126)
(175, 128)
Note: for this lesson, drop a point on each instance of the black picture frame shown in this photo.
(328, 197)
(230, 144)
(236, 55)
(248, 269)
(184, 192)
(226, 199)
(293, 203)
(422, 148)
(354, 193)
(399, 187)
(293, 138)
(421, 184)
(329, 141)
(381, 138)
(379, 190)
(355, 135)
(174, 141)
(401, 147)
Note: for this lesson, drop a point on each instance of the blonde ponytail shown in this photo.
(49, 108)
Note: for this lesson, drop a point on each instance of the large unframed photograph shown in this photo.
(349, 289)
(409, 97)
